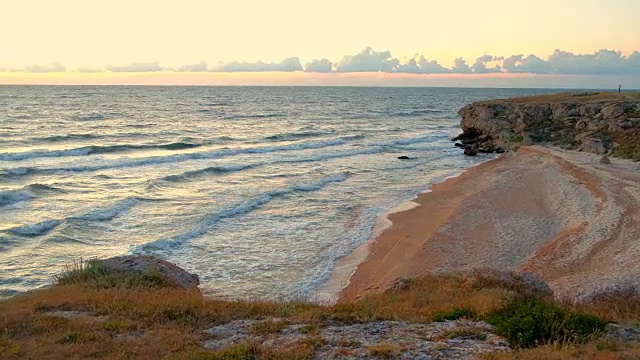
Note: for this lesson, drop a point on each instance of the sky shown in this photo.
(330, 42)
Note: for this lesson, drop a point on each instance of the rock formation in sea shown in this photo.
(600, 123)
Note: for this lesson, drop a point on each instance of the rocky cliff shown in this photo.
(602, 123)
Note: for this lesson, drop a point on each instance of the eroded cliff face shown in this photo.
(604, 123)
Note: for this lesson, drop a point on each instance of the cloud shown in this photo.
(287, 65)
(420, 65)
(40, 69)
(460, 66)
(368, 61)
(199, 67)
(84, 69)
(601, 62)
(319, 66)
(137, 67)
(480, 66)
(530, 64)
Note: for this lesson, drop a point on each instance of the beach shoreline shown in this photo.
(568, 213)
(345, 267)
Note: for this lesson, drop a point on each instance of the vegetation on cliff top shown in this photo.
(570, 97)
(95, 313)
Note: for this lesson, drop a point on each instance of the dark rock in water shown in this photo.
(500, 151)
(471, 151)
(404, 157)
(458, 145)
(148, 264)
(605, 160)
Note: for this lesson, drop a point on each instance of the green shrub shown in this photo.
(532, 322)
(454, 314)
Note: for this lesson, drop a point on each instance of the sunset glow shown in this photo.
(77, 37)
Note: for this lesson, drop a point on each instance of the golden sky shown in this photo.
(96, 34)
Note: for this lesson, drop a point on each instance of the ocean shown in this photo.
(258, 190)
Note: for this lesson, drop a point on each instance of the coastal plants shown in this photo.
(93, 273)
(455, 314)
(532, 322)
(384, 350)
(268, 327)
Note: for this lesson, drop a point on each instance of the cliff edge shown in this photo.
(600, 123)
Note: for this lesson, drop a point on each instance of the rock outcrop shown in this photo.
(600, 123)
(136, 264)
(459, 339)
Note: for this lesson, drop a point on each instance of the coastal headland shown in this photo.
(567, 216)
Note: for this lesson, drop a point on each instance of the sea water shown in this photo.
(258, 190)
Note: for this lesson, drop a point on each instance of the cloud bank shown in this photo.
(602, 62)
(286, 65)
(40, 69)
(319, 66)
(199, 67)
(137, 67)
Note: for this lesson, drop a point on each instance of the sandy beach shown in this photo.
(556, 213)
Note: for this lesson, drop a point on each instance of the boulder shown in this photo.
(625, 124)
(138, 264)
(612, 111)
(605, 160)
(593, 145)
(471, 151)
(404, 157)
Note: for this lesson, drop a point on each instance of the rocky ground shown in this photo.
(459, 339)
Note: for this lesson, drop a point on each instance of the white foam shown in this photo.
(35, 229)
(347, 265)
(238, 209)
(44, 153)
(111, 211)
(14, 196)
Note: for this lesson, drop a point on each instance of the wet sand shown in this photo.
(559, 214)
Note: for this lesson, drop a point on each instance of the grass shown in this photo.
(93, 274)
(572, 97)
(268, 327)
(137, 318)
(454, 314)
(384, 350)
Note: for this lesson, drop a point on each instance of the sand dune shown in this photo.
(559, 214)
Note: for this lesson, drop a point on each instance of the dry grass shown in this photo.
(124, 322)
(572, 97)
(384, 350)
(268, 327)
(596, 350)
